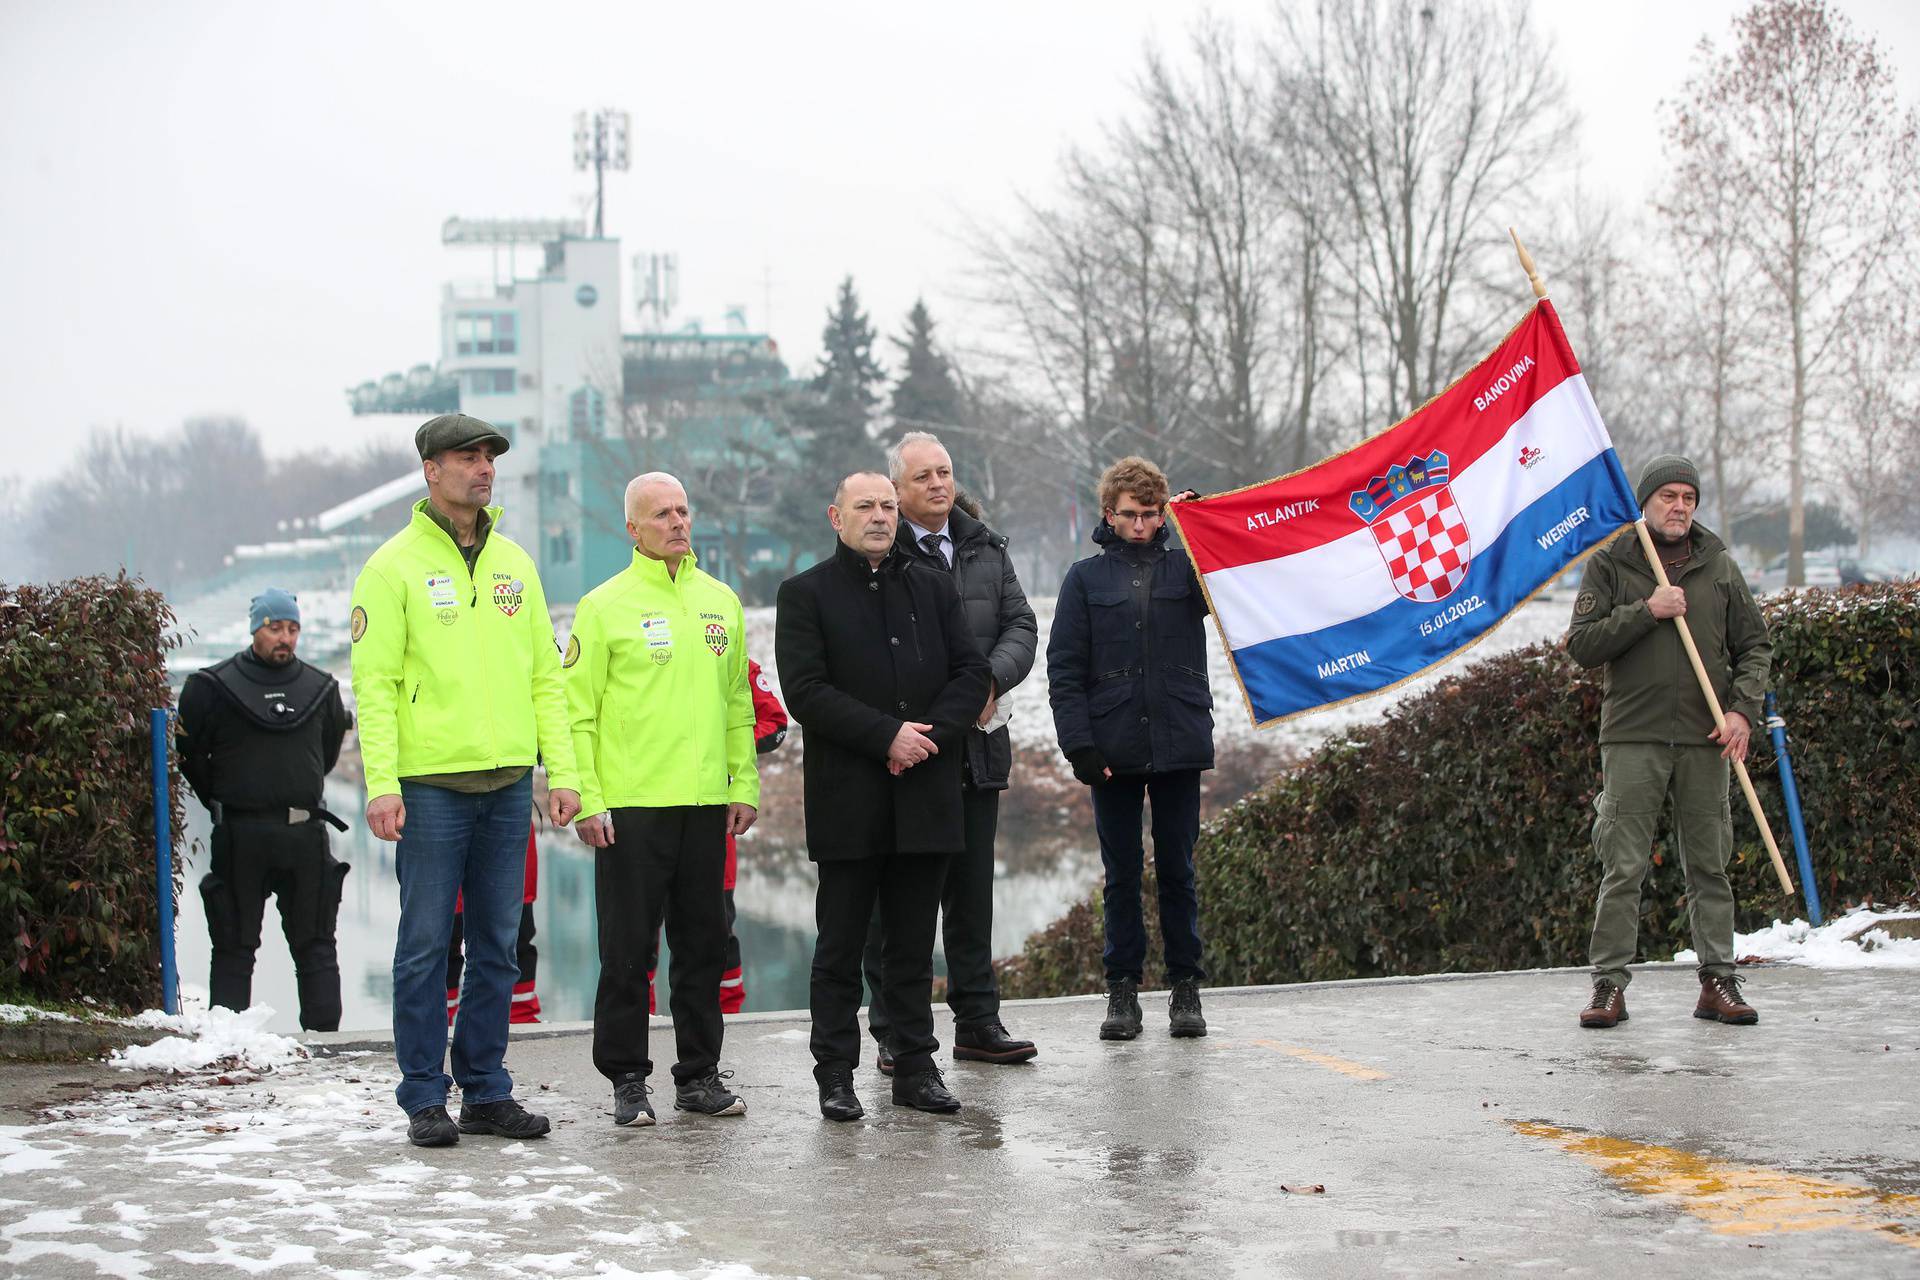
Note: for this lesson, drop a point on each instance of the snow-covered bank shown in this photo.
(1851, 942)
(208, 1037)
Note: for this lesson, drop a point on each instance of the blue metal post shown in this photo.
(1777, 728)
(158, 719)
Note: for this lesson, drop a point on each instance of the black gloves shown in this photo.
(1089, 766)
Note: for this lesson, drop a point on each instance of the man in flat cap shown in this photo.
(1657, 736)
(258, 734)
(460, 692)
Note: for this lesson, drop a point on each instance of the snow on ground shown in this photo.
(207, 1037)
(1543, 618)
(27, 1013)
(305, 1170)
(1850, 942)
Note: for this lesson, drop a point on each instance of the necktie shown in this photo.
(931, 543)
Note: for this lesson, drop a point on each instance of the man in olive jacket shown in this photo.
(1657, 736)
(880, 671)
(936, 531)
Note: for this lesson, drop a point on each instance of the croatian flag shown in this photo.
(1360, 573)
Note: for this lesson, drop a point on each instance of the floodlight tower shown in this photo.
(599, 144)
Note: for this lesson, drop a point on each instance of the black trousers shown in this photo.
(252, 858)
(966, 927)
(906, 890)
(665, 862)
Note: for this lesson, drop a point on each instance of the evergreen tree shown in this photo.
(926, 398)
(828, 420)
(848, 372)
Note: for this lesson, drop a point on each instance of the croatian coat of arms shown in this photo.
(1418, 527)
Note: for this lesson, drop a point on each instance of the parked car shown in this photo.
(1823, 569)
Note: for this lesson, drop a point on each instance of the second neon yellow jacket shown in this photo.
(455, 671)
(657, 690)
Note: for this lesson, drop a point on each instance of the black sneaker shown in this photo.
(1123, 1010)
(923, 1091)
(504, 1119)
(1183, 1009)
(432, 1127)
(884, 1060)
(707, 1095)
(630, 1105)
(837, 1098)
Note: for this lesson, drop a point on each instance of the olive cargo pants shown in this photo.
(1639, 776)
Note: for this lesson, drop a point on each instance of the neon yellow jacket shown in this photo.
(455, 672)
(657, 690)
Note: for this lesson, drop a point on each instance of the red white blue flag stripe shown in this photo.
(1357, 574)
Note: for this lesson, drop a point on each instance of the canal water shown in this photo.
(774, 897)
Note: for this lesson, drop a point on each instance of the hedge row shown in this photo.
(1452, 833)
(82, 662)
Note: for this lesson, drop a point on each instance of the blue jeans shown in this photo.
(1117, 805)
(454, 843)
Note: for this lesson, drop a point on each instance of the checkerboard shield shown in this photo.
(1423, 538)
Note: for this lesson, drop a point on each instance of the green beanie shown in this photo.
(1668, 468)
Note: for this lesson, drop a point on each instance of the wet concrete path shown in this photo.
(1463, 1125)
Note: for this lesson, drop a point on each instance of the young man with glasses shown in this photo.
(1127, 676)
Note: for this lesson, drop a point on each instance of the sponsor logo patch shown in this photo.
(448, 616)
(507, 597)
(572, 655)
(357, 625)
(1583, 605)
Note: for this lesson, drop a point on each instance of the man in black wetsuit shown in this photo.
(258, 734)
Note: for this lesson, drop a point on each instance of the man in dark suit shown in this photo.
(879, 669)
(938, 531)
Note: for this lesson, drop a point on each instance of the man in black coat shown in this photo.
(936, 532)
(1127, 675)
(883, 677)
(258, 734)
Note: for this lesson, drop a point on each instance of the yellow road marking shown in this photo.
(1740, 1199)
(1357, 1070)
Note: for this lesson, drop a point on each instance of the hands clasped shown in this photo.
(910, 746)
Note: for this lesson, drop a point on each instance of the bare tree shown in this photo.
(1435, 147)
(1800, 123)
(1872, 445)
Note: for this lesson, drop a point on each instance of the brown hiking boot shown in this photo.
(1720, 1002)
(1608, 1006)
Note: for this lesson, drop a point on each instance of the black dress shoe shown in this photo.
(923, 1091)
(884, 1061)
(837, 1098)
(990, 1043)
(432, 1127)
(503, 1118)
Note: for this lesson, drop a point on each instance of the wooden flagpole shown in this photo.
(1686, 636)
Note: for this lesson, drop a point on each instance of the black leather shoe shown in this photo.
(837, 1098)
(884, 1061)
(432, 1127)
(504, 1119)
(990, 1043)
(924, 1091)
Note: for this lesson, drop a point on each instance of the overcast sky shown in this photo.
(235, 208)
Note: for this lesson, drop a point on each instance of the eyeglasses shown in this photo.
(1137, 517)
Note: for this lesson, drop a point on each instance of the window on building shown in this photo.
(587, 414)
(487, 382)
(560, 547)
(485, 333)
(556, 484)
